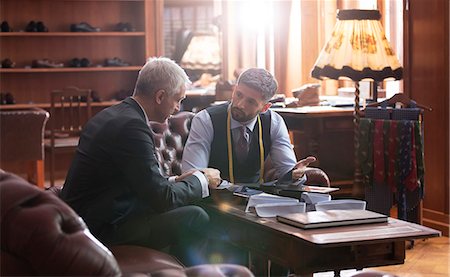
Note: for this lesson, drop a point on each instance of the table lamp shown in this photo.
(202, 53)
(357, 50)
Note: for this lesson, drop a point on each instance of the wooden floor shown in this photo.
(428, 258)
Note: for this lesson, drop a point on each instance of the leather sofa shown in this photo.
(170, 139)
(41, 235)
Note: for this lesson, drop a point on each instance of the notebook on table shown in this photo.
(330, 218)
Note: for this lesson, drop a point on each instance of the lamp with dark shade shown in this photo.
(358, 50)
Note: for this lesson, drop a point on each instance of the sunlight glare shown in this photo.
(255, 14)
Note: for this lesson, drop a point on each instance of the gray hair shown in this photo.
(160, 73)
(261, 80)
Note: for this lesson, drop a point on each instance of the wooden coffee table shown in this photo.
(307, 251)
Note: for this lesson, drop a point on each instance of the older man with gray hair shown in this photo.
(114, 182)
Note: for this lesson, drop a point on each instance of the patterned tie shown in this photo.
(242, 145)
(378, 152)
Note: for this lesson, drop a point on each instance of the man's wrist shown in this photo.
(203, 182)
(206, 176)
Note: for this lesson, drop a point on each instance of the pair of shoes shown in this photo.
(83, 27)
(115, 62)
(7, 63)
(76, 62)
(45, 63)
(122, 94)
(36, 27)
(5, 27)
(7, 99)
(94, 97)
(124, 27)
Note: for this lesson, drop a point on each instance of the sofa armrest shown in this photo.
(210, 270)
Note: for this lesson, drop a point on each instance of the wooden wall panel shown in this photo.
(427, 82)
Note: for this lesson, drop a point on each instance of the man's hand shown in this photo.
(300, 167)
(184, 175)
(213, 177)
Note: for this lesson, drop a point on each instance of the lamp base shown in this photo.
(357, 190)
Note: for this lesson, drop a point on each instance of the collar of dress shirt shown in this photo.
(236, 124)
(142, 108)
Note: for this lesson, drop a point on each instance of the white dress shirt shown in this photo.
(198, 145)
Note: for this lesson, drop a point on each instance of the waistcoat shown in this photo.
(244, 172)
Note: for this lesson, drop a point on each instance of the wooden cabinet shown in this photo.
(32, 86)
(327, 134)
(427, 82)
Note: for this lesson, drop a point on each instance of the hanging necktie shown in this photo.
(392, 150)
(242, 145)
(378, 153)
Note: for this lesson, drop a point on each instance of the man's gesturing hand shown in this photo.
(300, 167)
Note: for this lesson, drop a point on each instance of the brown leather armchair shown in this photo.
(170, 140)
(41, 235)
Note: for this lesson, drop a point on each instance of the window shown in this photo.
(286, 37)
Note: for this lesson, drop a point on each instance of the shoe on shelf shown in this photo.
(31, 27)
(124, 27)
(7, 98)
(45, 63)
(41, 27)
(75, 62)
(5, 27)
(84, 62)
(7, 63)
(115, 62)
(95, 97)
(122, 94)
(83, 27)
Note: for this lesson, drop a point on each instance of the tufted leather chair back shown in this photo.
(170, 138)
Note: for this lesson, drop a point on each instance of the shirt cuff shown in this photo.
(303, 179)
(172, 179)
(204, 182)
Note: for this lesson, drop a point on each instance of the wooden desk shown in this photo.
(326, 133)
(318, 250)
(198, 99)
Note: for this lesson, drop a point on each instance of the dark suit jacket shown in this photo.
(115, 174)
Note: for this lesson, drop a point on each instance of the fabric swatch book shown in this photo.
(266, 198)
(319, 219)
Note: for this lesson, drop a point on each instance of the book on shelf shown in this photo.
(330, 218)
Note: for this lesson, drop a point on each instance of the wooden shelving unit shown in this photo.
(32, 86)
(73, 34)
(70, 69)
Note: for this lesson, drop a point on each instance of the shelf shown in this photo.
(70, 69)
(90, 0)
(72, 34)
(47, 105)
(60, 45)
